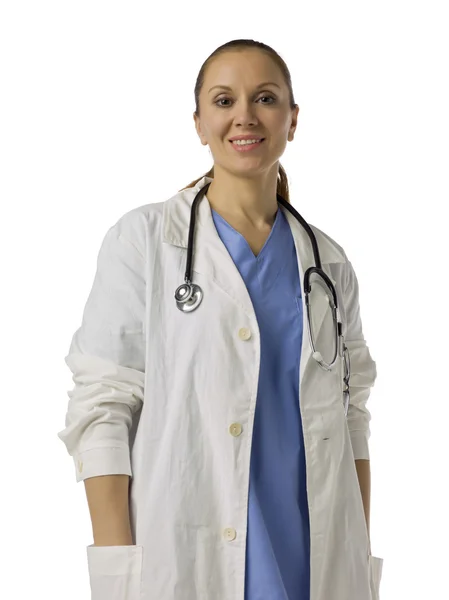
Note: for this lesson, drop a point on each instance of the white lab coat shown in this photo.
(169, 398)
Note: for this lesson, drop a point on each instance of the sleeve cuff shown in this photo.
(360, 445)
(102, 461)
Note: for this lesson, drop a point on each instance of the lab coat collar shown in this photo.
(212, 260)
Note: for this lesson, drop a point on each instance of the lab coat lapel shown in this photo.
(214, 261)
(210, 256)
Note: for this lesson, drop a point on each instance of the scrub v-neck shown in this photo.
(270, 261)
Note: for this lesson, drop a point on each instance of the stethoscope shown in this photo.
(189, 295)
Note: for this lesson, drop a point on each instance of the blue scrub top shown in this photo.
(278, 537)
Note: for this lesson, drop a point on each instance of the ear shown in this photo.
(198, 129)
(294, 124)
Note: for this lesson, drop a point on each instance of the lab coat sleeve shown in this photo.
(363, 369)
(106, 357)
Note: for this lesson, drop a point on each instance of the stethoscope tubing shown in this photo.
(188, 295)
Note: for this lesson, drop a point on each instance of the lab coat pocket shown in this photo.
(115, 572)
(375, 575)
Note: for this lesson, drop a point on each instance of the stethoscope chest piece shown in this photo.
(188, 296)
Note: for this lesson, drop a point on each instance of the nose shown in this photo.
(245, 114)
(246, 120)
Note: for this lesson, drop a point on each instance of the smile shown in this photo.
(245, 147)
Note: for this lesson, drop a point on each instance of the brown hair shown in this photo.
(241, 45)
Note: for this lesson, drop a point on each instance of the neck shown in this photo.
(250, 201)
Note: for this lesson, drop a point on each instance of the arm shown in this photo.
(364, 476)
(362, 377)
(107, 497)
(107, 359)
(363, 370)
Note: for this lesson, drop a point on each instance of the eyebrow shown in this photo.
(226, 87)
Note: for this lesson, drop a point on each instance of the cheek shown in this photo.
(218, 134)
(281, 127)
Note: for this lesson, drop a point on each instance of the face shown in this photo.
(245, 109)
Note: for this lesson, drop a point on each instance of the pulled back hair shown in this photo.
(241, 45)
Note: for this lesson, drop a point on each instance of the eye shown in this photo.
(225, 98)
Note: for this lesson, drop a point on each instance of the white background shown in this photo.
(96, 119)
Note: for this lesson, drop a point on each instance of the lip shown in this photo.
(246, 137)
(247, 147)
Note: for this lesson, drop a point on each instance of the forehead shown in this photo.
(251, 67)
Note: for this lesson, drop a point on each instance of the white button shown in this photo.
(80, 466)
(235, 429)
(244, 333)
(229, 534)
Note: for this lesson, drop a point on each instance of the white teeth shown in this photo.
(245, 142)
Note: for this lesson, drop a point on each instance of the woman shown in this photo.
(218, 457)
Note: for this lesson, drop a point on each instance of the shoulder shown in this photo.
(135, 224)
(329, 247)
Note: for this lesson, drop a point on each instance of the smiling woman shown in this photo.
(220, 455)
